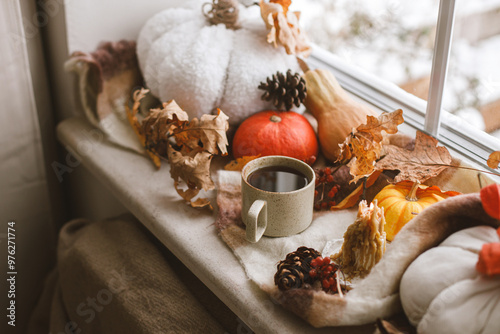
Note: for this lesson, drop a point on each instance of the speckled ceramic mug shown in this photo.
(276, 213)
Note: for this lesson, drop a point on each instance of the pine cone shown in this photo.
(284, 91)
(293, 272)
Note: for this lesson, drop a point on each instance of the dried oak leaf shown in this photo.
(363, 162)
(211, 130)
(191, 193)
(137, 97)
(426, 160)
(364, 145)
(161, 124)
(238, 164)
(192, 167)
(197, 142)
(375, 127)
(284, 27)
(187, 145)
(494, 160)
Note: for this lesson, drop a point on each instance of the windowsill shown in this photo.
(190, 234)
(187, 232)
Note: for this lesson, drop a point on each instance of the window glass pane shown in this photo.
(392, 39)
(472, 89)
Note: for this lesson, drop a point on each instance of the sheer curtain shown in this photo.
(28, 196)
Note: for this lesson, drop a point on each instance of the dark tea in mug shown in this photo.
(277, 179)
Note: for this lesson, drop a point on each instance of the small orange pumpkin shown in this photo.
(273, 132)
(404, 200)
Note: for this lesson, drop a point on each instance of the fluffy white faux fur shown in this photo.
(205, 67)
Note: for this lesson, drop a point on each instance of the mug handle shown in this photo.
(257, 221)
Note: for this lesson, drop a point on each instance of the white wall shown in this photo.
(91, 21)
(80, 26)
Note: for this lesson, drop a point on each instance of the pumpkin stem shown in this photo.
(275, 119)
(412, 195)
(222, 11)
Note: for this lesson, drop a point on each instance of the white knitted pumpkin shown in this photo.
(205, 67)
(441, 291)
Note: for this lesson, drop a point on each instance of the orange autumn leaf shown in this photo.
(436, 190)
(426, 160)
(354, 196)
(333, 191)
(238, 164)
(284, 4)
(363, 162)
(201, 203)
(490, 200)
(367, 135)
(137, 96)
(284, 27)
(494, 160)
(488, 262)
(364, 145)
(375, 126)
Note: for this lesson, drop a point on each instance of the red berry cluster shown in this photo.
(326, 188)
(323, 270)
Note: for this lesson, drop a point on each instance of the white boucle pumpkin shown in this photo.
(205, 67)
(441, 292)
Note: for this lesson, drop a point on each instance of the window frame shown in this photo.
(453, 132)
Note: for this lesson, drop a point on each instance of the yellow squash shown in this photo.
(337, 113)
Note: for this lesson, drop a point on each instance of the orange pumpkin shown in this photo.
(404, 200)
(273, 132)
